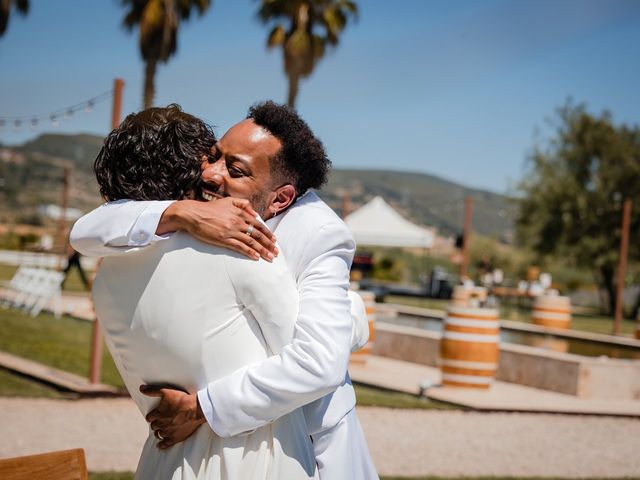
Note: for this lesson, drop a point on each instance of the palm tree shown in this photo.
(22, 7)
(312, 25)
(158, 21)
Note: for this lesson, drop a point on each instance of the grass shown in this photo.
(13, 385)
(111, 476)
(63, 343)
(580, 322)
(376, 397)
(129, 476)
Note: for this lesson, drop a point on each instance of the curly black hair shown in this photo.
(302, 159)
(154, 154)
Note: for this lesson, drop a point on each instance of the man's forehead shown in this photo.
(259, 134)
(249, 135)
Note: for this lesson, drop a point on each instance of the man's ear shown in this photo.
(283, 197)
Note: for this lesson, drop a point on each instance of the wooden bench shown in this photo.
(62, 465)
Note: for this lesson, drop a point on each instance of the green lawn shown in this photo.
(129, 476)
(586, 323)
(13, 385)
(63, 343)
(376, 397)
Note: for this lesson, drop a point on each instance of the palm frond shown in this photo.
(276, 37)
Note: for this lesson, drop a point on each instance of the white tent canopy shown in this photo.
(377, 223)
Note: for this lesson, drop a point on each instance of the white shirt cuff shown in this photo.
(207, 407)
(144, 230)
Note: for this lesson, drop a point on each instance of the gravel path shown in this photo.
(402, 442)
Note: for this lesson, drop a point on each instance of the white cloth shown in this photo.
(184, 313)
(319, 249)
(341, 451)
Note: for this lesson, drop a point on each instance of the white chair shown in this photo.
(32, 288)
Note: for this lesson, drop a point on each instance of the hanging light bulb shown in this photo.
(89, 106)
(34, 123)
(2, 124)
(68, 114)
(54, 121)
(16, 125)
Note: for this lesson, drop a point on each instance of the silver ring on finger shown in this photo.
(250, 230)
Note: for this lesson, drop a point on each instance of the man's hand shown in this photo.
(228, 222)
(176, 417)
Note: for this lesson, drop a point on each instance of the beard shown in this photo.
(259, 202)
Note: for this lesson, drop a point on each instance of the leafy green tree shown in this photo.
(573, 194)
(304, 29)
(21, 6)
(158, 22)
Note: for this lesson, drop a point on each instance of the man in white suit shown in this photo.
(311, 371)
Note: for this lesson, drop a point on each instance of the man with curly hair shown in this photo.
(182, 312)
(272, 159)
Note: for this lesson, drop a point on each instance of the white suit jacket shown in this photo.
(185, 313)
(312, 369)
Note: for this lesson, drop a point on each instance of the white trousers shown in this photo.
(342, 452)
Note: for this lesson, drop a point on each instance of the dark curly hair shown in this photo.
(154, 154)
(302, 159)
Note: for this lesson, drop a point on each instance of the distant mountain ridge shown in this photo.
(423, 198)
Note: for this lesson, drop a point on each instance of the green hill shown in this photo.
(425, 199)
(33, 175)
(80, 149)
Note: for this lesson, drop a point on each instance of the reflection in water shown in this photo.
(546, 341)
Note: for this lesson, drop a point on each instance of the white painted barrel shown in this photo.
(469, 349)
(552, 311)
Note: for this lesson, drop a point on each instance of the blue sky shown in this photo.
(452, 88)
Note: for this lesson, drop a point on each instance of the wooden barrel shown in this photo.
(550, 342)
(466, 296)
(369, 299)
(552, 311)
(469, 349)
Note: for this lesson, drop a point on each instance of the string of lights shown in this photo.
(33, 121)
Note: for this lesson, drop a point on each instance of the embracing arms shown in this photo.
(118, 227)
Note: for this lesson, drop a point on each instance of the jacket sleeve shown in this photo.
(360, 327)
(118, 227)
(313, 364)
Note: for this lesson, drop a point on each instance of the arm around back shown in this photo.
(315, 362)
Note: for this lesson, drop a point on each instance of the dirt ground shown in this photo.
(402, 442)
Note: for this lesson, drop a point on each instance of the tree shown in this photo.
(21, 6)
(158, 22)
(573, 195)
(312, 26)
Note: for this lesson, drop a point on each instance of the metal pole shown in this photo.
(622, 265)
(466, 236)
(97, 345)
(62, 225)
(346, 204)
